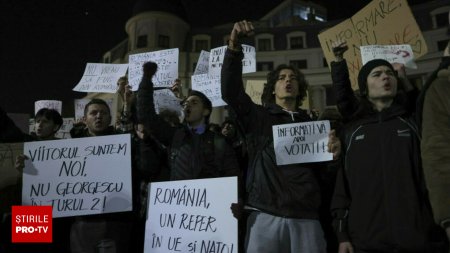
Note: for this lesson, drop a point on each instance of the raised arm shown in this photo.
(232, 86)
(146, 108)
(347, 102)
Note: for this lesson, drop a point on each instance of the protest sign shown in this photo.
(8, 154)
(391, 53)
(166, 100)
(166, 74)
(50, 104)
(382, 22)
(254, 89)
(81, 103)
(202, 63)
(217, 55)
(249, 61)
(192, 216)
(79, 176)
(101, 77)
(301, 142)
(210, 87)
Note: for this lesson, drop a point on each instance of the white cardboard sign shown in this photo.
(301, 142)
(79, 176)
(192, 216)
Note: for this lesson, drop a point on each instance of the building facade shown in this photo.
(287, 34)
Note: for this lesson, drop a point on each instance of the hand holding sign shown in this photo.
(334, 144)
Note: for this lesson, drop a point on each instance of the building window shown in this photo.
(264, 66)
(201, 45)
(296, 42)
(163, 41)
(442, 45)
(201, 42)
(141, 41)
(441, 20)
(264, 45)
(301, 64)
(440, 17)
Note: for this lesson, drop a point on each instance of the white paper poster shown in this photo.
(101, 77)
(192, 216)
(50, 104)
(210, 87)
(301, 142)
(202, 63)
(391, 53)
(167, 73)
(79, 176)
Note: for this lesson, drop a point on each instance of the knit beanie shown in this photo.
(365, 71)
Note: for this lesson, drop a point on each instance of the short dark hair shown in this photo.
(272, 77)
(96, 101)
(50, 114)
(205, 100)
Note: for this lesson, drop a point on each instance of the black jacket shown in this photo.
(191, 156)
(380, 201)
(289, 190)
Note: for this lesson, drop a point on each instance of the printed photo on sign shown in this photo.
(301, 142)
(79, 176)
(166, 74)
(191, 216)
(101, 77)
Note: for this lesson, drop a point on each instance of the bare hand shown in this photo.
(20, 162)
(400, 68)
(176, 88)
(339, 48)
(334, 144)
(345, 247)
(240, 29)
(127, 95)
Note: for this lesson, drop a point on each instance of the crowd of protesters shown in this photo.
(386, 190)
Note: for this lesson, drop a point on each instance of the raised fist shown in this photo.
(149, 69)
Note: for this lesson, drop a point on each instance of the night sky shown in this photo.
(47, 43)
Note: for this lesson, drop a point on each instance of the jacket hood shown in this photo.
(298, 115)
